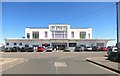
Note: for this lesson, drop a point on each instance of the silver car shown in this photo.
(49, 49)
(67, 49)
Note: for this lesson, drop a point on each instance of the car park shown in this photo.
(67, 49)
(78, 49)
(40, 49)
(49, 49)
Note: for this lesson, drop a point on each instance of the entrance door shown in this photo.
(59, 46)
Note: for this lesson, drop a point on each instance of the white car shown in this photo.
(89, 48)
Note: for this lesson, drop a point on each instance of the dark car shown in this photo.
(15, 49)
(95, 48)
(30, 49)
(40, 49)
(23, 49)
(7, 49)
(78, 49)
(114, 55)
(118, 56)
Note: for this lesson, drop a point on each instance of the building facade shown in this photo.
(56, 35)
(58, 31)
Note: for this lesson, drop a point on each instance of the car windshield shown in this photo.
(78, 47)
(88, 47)
(49, 47)
(66, 48)
(115, 49)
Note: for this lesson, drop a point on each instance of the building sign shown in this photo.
(58, 28)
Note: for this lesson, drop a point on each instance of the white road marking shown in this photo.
(8, 61)
(60, 64)
(103, 68)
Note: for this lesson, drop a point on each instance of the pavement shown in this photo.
(104, 62)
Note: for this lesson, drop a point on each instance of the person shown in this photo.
(34, 49)
(57, 48)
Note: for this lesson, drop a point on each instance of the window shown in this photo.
(7, 43)
(20, 44)
(82, 35)
(89, 35)
(35, 45)
(72, 44)
(100, 44)
(45, 34)
(15, 43)
(72, 34)
(26, 45)
(52, 36)
(59, 34)
(28, 35)
(36, 35)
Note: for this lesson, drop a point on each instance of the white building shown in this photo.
(57, 35)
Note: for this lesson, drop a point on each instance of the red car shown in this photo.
(40, 49)
(103, 49)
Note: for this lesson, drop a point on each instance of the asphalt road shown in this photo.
(56, 63)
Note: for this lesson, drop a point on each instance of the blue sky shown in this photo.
(101, 16)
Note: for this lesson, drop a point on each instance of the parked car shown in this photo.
(67, 49)
(8, 49)
(61, 48)
(23, 49)
(15, 49)
(30, 49)
(112, 50)
(83, 47)
(103, 49)
(95, 48)
(2, 48)
(40, 49)
(78, 49)
(118, 56)
(88, 48)
(113, 54)
(49, 49)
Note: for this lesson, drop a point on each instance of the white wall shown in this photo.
(42, 32)
(77, 33)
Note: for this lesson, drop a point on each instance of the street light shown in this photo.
(118, 24)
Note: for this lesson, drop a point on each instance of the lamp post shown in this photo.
(118, 25)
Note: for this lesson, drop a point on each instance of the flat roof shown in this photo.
(57, 24)
(37, 27)
(10, 39)
(48, 27)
